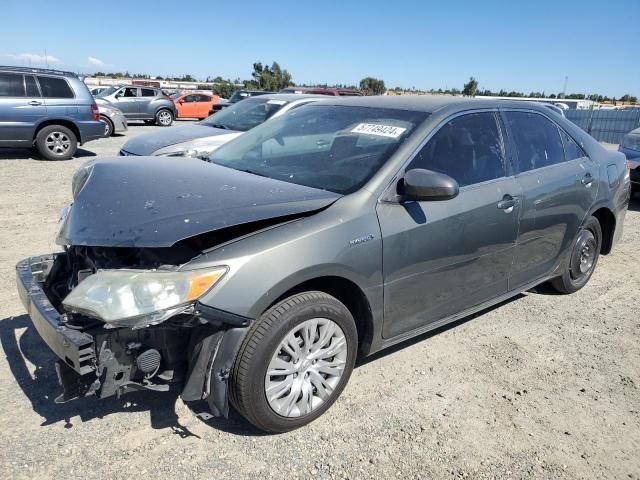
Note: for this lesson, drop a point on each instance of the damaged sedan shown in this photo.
(257, 278)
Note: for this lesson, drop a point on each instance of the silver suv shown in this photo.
(49, 109)
(140, 103)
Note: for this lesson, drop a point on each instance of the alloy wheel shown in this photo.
(165, 118)
(58, 143)
(306, 367)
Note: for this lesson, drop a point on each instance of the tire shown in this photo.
(56, 142)
(108, 126)
(164, 117)
(585, 251)
(319, 381)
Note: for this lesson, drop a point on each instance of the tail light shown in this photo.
(95, 113)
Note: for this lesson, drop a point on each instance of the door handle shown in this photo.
(587, 180)
(507, 203)
(35, 102)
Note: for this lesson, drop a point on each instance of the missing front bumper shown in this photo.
(196, 359)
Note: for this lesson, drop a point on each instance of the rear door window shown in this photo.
(11, 85)
(536, 140)
(31, 86)
(204, 98)
(572, 150)
(468, 149)
(53, 87)
(147, 92)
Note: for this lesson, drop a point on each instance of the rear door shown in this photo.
(147, 95)
(442, 257)
(559, 186)
(203, 106)
(21, 108)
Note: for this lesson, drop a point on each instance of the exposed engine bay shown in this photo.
(178, 354)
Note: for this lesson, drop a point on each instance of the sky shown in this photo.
(515, 45)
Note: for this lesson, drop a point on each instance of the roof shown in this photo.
(426, 103)
(289, 97)
(8, 68)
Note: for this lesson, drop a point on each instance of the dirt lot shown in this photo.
(544, 386)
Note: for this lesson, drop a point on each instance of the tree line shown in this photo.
(274, 78)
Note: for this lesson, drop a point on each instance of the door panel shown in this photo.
(19, 113)
(557, 195)
(440, 258)
(127, 101)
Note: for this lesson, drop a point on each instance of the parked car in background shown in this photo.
(236, 97)
(341, 228)
(200, 139)
(194, 105)
(140, 103)
(96, 90)
(336, 92)
(555, 108)
(630, 146)
(49, 109)
(113, 119)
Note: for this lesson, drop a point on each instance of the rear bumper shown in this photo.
(90, 130)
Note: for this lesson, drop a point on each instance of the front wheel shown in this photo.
(294, 362)
(164, 117)
(585, 252)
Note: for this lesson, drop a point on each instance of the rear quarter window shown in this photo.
(53, 87)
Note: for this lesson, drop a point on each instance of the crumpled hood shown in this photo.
(158, 201)
(148, 143)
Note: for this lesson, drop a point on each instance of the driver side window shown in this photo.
(128, 92)
(467, 148)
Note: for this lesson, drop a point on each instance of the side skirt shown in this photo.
(457, 316)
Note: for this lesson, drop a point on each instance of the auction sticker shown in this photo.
(380, 130)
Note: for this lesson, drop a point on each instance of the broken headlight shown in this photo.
(134, 298)
(80, 177)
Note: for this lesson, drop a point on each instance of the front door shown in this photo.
(559, 184)
(127, 101)
(188, 106)
(21, 108)
(442, 257)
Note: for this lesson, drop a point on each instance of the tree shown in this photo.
(470, 88)
(628, 98)
(272, 77)
(372, 86)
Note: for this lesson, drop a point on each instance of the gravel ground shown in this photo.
(543, 386)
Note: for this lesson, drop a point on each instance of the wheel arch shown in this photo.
(59, 121)
(607, 220)
(347, 292)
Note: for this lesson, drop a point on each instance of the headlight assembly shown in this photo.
(200, 148)
(80, 177)
(131, 298)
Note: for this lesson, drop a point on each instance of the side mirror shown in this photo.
(424, 185)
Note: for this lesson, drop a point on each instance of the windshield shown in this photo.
(245, 115)
(330, 147)
(107, 92)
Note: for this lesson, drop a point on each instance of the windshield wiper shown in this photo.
(246, 170)
(219, 125)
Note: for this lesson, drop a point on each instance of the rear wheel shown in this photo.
(294, 362)
(56, 142)
(585, 252)
(108, 126)
(164, 117)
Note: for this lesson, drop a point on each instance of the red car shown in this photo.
(195, 105)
